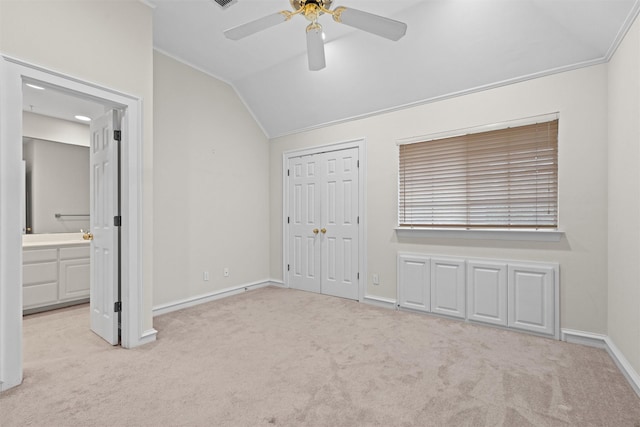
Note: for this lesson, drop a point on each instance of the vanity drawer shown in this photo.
(41, 272)
(39, 255)
(39, 295)
(78, 252)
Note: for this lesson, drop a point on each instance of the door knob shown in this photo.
(315, 231)
(324, 230)
(87, 236)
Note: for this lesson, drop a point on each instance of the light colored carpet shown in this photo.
(288, 358)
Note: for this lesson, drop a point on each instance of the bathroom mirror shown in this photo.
(57, 186)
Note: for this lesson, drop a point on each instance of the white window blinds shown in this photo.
(504, 178)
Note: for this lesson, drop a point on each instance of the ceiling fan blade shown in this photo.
(375, 24)
(244, 30)
(315, 48)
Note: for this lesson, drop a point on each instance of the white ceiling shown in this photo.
(451, 47)
(54, 102)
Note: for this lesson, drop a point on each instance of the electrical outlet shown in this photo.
(226, 272)
(205, 276)
(376, 279)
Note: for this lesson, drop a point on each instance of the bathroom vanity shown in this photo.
(55, 271)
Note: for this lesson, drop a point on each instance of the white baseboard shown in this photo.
(603, 341)
(583, 338)
(148, 336)
(201, 299)
(623, 364)
(380, 301)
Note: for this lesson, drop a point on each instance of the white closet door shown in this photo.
(323, 223)
(104, 246)
(304, 223)
(340, 220)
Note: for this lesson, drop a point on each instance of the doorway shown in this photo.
(324, 220)
(13, 73)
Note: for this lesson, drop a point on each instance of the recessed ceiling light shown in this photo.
(83, 118)
(31, 85)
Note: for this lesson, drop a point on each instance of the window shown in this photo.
(504, 179)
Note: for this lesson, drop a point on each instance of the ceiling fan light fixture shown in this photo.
(312, 10)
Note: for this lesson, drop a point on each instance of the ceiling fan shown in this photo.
(312, 10)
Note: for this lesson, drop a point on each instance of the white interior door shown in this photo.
(323, 223)
(339, 203)
(304, 224)
(104, 209)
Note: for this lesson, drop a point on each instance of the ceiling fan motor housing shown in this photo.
(297, 4)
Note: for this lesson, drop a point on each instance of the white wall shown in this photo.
(105, 42)
(211, 177)
(52, 129)
(581, 99)
(624, 197)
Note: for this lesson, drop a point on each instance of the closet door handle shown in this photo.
(87, 236)
(315, 231)
(324, 230)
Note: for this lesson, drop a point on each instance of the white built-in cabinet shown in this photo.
(447, 287)
(54, 276)
(513, 294)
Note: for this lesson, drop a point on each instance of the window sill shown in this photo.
(488, 234)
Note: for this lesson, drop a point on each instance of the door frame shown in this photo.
(361, 144)
(12, 74)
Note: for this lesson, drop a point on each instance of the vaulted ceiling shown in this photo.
(451, 47)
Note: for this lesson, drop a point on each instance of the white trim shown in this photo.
(605, 342)
(583, 338)
(525, 121)
(623, 364)
(380, 302)
(487, 234)
(212, 296)
(631, 17)
(148, 336)
(148, 4)
(12, 73)
(507, 82)
(361, 144)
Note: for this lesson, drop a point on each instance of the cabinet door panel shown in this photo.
(448, 287)
(43, 272)
(39, 295)
(413, 282)
(531, 298)
(74, 279)
(487, 292)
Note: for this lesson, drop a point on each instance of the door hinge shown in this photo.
(288, 219)
(288, 267)
(358, 276)
(117, 307)
(117, 135)
(287, 172)
(358, 220)
(358, 163)
(117, 221)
